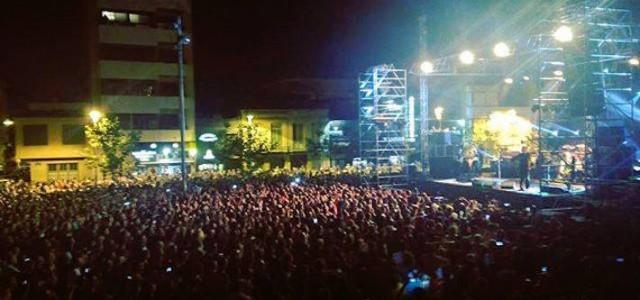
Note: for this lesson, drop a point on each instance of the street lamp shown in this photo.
(95, 116)
(183, 40)
(8, 122)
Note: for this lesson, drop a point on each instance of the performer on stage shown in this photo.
(523, 167)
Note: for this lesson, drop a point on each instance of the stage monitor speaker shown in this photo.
(553, 190)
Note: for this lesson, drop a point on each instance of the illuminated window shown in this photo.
(138, 19)
(109, 15)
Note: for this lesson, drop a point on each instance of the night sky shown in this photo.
(242, 45)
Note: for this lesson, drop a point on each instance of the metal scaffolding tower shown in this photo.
(585, 92)
(383, 122)
(610, 43)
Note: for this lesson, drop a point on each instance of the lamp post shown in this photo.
(95, 116)
(183, 40)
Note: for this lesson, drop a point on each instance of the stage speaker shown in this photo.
(610, 136)
(614, 162)
(584, 98)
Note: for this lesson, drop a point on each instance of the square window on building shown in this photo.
(35, 135)
(52, 167)
(73, 166)
(62, 167)
(73, 134)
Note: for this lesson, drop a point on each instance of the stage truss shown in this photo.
(383, 124)
(596, 64)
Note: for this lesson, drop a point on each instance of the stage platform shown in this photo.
(507, 190)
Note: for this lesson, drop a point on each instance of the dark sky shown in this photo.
(241, 45)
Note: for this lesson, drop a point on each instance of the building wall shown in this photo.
(54, 152)
(137, 63)
(287, 149)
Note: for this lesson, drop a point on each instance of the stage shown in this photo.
(507, 190)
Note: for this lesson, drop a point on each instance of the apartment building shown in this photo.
(135, 73)
(293, 134)
(50, 140)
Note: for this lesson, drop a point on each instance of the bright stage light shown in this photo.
(634, 61)
(509, 128)
(467, 57)
(153, 146)
(427, 67)
(526, 78)
(508, 80)
(501, 50)
(438, 111)
(558, 73)
(8, 122)
(563, 34)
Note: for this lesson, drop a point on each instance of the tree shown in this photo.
(110, 147)
(246, 146)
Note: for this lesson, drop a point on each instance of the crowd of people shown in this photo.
(308, 237)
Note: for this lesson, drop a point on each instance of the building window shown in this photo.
(125, 120)
(298, 134)
(35, 135)
(165, 53)
(168, 121)
(276, 135)
(62, 171)
(73, 134)
(139, 19)
(132, 87)
(120, 17)
(113, 16)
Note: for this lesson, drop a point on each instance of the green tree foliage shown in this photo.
(109, 147)
(245, 147)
